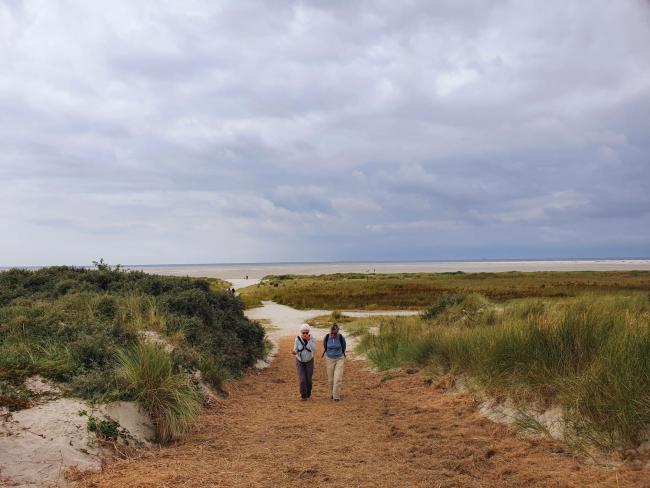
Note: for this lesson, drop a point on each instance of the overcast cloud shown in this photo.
(205, 131)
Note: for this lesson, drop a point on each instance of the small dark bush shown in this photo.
(107, 307)
(445, 301)
(105, 429)
(64, 286)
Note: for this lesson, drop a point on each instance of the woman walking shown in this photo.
(334, 344)
(304, 348)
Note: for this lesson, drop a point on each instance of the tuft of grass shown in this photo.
(169, 397)
(445, 301)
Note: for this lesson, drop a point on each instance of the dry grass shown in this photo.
(419, 290)
(396, 433)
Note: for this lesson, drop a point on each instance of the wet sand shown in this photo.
(259, 270)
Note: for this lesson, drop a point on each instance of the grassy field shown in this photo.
(92, 331)
(590, 354)
(419, 290)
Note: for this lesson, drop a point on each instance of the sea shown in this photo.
(259, 270)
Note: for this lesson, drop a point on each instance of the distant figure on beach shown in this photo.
(246, 276)
(304, 348)
(334, 345)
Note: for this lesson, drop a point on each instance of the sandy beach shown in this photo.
(259, 270)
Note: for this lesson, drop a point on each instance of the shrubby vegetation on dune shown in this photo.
(80, 326)
(590, 353)
(354, 291)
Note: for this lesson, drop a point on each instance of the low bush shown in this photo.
(72, 324)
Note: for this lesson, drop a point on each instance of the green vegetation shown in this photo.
(590, 354)
(416, 291)
(104, 429)
(86, 329)
(168, 396)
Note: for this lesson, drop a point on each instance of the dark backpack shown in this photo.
(339, 337)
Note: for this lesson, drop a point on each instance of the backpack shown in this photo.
(304, 345)
(340, 338)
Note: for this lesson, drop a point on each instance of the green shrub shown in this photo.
(105, 429)
(68, 324)
(106, 307)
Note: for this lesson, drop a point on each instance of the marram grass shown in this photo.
(591, 354)
(168, 396)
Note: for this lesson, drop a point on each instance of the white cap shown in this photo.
(305, 327)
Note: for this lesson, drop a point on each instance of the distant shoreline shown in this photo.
(258, 270)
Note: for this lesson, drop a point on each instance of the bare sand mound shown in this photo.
(38, 444)
(396, 433)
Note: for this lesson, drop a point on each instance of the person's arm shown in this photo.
(295, 346)
(324, 346)
(343, 344)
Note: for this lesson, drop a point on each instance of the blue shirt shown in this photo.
(335, 346)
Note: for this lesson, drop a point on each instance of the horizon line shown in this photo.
(380, 261)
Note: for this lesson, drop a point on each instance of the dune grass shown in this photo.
(168, 396)
(590, 354)
(73, 325)
(415, 291)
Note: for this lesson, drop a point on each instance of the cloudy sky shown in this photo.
(237, 131)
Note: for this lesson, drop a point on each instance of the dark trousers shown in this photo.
(305, 372)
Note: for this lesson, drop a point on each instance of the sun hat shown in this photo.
(304, 327)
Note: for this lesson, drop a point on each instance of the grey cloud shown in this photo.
(293, 130)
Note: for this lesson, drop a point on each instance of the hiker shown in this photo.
(304, 348)
(334, 347)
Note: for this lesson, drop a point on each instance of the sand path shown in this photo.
(396, 433)
(286, 321)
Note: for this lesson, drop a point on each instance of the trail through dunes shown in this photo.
(396, 433)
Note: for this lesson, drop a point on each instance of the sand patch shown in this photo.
(243, 283)
(130, 417)
(41, 386)
(38, 443)
(286, 321)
